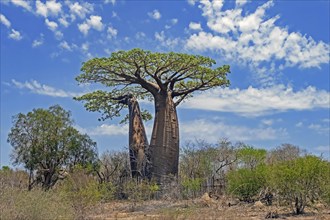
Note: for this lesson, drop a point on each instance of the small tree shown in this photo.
(250, 157)
(283, 153)
(301, 181)
(46, 143)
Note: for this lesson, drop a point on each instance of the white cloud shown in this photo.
(51, 25)
(323, 150)
(240, 3)
(155, 14)
(253, 39)
(94, 22)
(63, 21)
(140, 35)
(267, 122)
(113, 2)
(299, 124)
(38, 42)
(320, 128)
(4, 21)
(166, 42)
(15, 35)
(214, 130)
(80, 10)
(51, 7)
(84, 28)
(112, 32)
(195, 26)
(108, 130)
(41, 8)
(255, 102)
(192, 2)
(64, 45)
(85, 47)
(58, 35)
(173, 22)
(22, 3)
(37, 88)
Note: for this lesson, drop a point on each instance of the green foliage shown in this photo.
(144, 74)
(107, 191)
(245, 183)
(250, 158)
(46, 142)
(301, 181)
(138, 191)
(191, 187)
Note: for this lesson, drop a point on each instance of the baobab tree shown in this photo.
(165, 78)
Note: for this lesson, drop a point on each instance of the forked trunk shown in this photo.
(164, 145)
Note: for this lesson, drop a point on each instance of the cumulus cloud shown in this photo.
(112, 32)
(155, 14)
(22, 3)
(37, 88)
(108, 130)
(63, 21)
(166, 42)
(80, 10)
(66, 46)
(15, 35)
(140, 35)
(113, 2)
(50, 8)
(4, 21)
(195, 26)
(201, 128)
(51, 25)
(260, 101)
(38, 42)
(320, 128)
(94, 22)
(253, 39)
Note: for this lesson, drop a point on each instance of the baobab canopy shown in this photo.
(166, 78)
(144, 74)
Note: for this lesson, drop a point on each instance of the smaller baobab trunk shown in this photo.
(138, 142)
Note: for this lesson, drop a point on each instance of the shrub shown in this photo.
(191, 186)
(301, 181)
(37, 204)
(245, 183)
(82, 191)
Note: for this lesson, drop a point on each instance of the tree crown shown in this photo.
(148, 75)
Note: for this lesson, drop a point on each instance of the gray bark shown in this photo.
(164, 145)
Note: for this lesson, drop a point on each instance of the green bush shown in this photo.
(191, 187)
(245, 183)
(138, 191)
(301, 181)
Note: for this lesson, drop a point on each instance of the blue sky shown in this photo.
(278, 52)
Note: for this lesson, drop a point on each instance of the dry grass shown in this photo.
(199, 209)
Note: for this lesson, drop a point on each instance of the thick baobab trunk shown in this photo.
(164, 145)
(138, 142)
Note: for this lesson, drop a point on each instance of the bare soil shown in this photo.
(200, 209)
